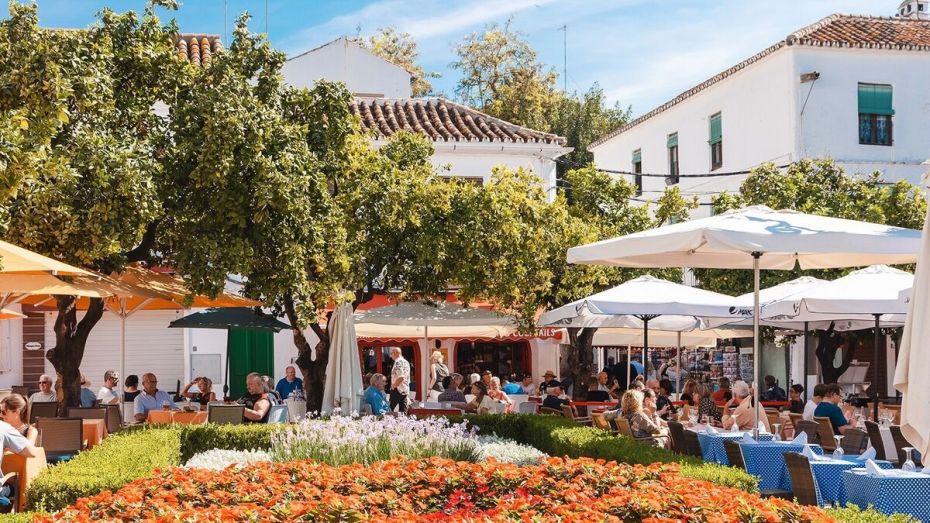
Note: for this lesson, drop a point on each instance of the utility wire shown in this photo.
(569, 163)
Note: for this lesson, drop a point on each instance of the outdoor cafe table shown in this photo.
(28, 469)
(94, 431)
(766, 460)
(167, 417)
(896, 492)
(828, 474)
(712, 444)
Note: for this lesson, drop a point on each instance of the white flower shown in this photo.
(219, 459)
(508, 451)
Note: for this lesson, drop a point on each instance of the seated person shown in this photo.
(453, 389)
(513, 387)
(150, 398)
(495, 392)
(131, 388)
(794, 396)
(547, 382)
(88, 397)
(772, 391)
(829, 408)
(257, 400)
(45, 393)
(374, 395)
(554, 399)
(663, 390)
(204, 394)
(481, 403)
(687, 393)
(707, 407)
(13, 439)
(107, 394)
(290, 383)
(641, 424)
(743, 417)
(11, 412)
(596, 394)
(723, 393)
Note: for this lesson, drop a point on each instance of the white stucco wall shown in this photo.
(11, 350)
(829, 126)
(344, 61)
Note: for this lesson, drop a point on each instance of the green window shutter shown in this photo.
(673, 140)
(716, 130)
(637, 156)
(875, 99)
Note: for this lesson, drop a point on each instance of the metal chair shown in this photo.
(875, 436)
(676, 432)
(854, 441)
(900, 443)
(734, 454)
(87, 412)
(226, 414)
(811, 428)
(802, 479)
(42, 409)
(277, 414)
(825, 433)
(62, 438)
(692, 444)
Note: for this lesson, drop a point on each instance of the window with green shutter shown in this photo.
(637, 171)
(876, 110)
(716, 142)
(673, 158)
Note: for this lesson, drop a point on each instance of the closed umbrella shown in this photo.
(756, 238)
(343, 369)
(912, 372)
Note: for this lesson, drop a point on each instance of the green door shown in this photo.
(248, 350)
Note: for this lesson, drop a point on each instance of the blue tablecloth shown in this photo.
(712, 445)
(902, 492)
(828, 475)
(766, 460)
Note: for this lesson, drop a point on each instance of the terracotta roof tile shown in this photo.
(442, 121)
(839, 31)
(198, 48)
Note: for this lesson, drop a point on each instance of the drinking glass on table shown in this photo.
(909, 465)
(165, 405)
(838, 453)
(776, 432)
(693, 419)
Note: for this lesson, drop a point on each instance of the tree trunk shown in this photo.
(828, 343)
(68, 352)
(312, 368)
(580, 360)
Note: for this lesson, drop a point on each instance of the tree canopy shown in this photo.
(401, 49)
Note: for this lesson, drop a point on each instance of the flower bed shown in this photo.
(434, 489)
(219, 459)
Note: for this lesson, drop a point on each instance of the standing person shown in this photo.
(400, 381)
(11, 411)
(88, 398)
(290, 383)
(794, 396)
(257, 400)
(204, 394)
(815, 399)
(131, 388)
(45, 390)
(374, 395)
(829, 408)
(437, 372)
(151, 398)
(107, 394)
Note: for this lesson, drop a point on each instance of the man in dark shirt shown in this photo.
(794, 396)
(772, 391)
(547, 382)
(829, 408)
(554, 399)
(595, 394)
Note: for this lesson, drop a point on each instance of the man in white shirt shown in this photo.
(815, 400)
(150, 398)
(107, 394)
(45, 390)
(400, 381)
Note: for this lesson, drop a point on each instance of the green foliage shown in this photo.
(817, 187)
(583, 118)
(562, 437)
(852, 514)
(401, 49)
(20, 517)
(118, 460)
(201, 438)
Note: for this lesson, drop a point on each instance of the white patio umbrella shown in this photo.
(756, 238)
(644, 300)
(870, 295)
(416, 318)
(343, 370)
(912, 372)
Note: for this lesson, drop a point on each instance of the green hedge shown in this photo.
(201, 438)
(562, 437)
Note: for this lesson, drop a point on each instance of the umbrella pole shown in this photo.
(755, 337)
(678, 357)
(804, 374)
(629, 365)
(645, 348)
(875, 358)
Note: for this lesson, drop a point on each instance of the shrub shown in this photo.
(196, 439)
(853, 514)
(118, 460)
(562, 437)
(432, 489)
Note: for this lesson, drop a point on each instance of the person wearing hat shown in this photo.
(88, 397)
(548, 381)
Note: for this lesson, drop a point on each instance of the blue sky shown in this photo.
(642, 52)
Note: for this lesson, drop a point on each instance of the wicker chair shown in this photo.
(570, 414)
(810, 428)
(802, 479)
(875, 436)
(226, 414)
(62, 438)
(547, 411)
(676, 432)
(87, 412)
(692, 444)
(42, 409)
(854, 441)
(735, 457)
(825, 433)
(900, 443)
(601, 422)
(795, 419)
(624, 429)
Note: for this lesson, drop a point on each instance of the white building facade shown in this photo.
(852, 88)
